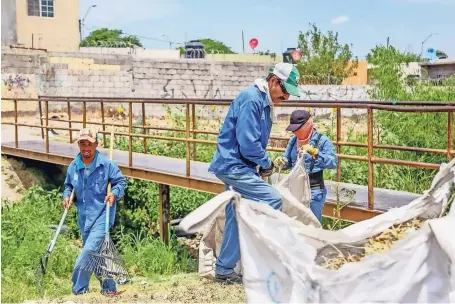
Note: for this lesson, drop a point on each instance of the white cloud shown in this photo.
(123, 12)
(340, 20)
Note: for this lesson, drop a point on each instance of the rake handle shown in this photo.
(60, 225)
(109, 186)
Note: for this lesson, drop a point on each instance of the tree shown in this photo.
(110, 38)
(215, 46)
(323, 55)
(441, 55)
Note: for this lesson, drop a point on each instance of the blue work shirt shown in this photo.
(326, 158)
(90, 186)
(244, 136)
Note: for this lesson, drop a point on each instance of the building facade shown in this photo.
(441, 68)
(43, 24)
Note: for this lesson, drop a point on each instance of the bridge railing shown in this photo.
(190, 127)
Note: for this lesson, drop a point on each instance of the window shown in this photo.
(47, 8)
(33, 7)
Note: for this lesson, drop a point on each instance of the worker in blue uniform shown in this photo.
(89, 174)
(241, 150)
(320, 156)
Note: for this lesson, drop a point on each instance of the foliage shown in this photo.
(110, 38)
(25, 236)
(440, 54)
(211, 46)
(428, 130)
(324, 55)
(148, 256)
(215, 46)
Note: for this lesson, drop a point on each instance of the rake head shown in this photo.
(41, 271)
(106, 262)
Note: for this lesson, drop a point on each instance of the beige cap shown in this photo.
(89, 134)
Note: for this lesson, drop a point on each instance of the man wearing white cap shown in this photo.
(241, 149)
(89, 175)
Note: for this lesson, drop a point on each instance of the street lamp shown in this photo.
(423, 42)
(169, 40)
(81, 22)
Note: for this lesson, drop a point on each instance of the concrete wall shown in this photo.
(361, 75)
(58, 33)
(9, 32)
(438, 71)
(135, 52)
(28, 74)
(244, 57)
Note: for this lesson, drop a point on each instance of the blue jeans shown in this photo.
(91, 241)
(317, 201)
(252, 187)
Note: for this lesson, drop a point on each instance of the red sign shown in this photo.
(254, 43)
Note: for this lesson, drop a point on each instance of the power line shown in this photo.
(138, 36)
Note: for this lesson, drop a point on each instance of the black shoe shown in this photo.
(229, 279)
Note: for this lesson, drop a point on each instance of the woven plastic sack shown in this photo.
(295, 192)
(280, 254)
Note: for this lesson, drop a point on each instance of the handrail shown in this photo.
(191, 130)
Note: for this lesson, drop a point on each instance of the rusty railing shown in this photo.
(191, 130)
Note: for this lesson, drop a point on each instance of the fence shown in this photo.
(191, 130)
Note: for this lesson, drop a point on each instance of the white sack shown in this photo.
(279, 254)
(296, 194)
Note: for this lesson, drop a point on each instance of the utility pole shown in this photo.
(423, 42)
(387, 42)
(243, 42)
(81, 22)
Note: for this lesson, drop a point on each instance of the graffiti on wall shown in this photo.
(18, 86)
(170, 91)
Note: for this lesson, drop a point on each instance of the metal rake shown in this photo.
(42, 266)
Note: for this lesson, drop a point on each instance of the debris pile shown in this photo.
(374, 245)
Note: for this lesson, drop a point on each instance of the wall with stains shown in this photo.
(30, 73)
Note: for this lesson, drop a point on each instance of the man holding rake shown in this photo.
(89, 174)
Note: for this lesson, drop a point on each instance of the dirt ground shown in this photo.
(185, 288)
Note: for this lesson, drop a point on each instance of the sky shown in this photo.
(276, 24)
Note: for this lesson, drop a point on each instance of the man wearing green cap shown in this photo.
(241, 150)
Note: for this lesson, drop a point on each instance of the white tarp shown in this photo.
(295, 192)
(280, 254)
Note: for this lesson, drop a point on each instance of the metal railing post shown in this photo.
(84, 114)
(165, 211)
(188, 169)
(338, 139)
(130, 137)
(193, 110)
(103, 122)
(16, 131)
(47, 126)
(370, 162)
(449, 135)
(144, 130)
(69, 121)
(40, 107)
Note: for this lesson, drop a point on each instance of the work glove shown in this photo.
(280, 162)
(266, 172)
(310, 149)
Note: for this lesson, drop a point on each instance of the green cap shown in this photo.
(290, 76)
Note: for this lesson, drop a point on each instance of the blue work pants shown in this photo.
(317, 201)
(91, 240)
(249, 186)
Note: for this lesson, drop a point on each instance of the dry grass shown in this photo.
(187, 288)
(379, 244)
